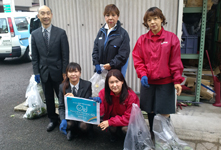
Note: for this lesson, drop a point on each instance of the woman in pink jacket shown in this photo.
(157, 61)
(116, 103)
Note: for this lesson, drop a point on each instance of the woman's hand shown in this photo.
(178, 87)
(103, 125)
(69, 94)
(107, 66)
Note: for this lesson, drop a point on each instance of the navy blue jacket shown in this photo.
(113, 48)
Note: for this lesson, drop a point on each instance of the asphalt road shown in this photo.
(17, 133)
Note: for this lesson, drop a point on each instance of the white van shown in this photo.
(14, 34)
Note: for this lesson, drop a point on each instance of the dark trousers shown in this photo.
(49, 87)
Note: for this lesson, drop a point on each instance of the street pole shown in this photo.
(12, 6)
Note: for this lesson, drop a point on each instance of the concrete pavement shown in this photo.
(199, 126)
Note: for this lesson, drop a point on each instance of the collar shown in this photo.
(76, 86)
(112, 93)
(161, 32)
(106, 27)
(158, 34)
(48, 29)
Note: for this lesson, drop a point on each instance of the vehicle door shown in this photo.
(5, 36)
(22, 30)
(34, 24)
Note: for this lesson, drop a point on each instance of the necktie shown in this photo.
(46, 37)
(74, 90)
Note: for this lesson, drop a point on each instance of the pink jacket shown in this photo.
(160, 61)
(125, 108)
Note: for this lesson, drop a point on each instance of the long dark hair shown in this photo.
(124, 91)
(70, 67)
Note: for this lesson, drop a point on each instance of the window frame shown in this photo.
(17, 23)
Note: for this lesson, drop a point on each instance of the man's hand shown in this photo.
(98, 69)
(178, 87)
(37, 78)
(103, 125)
(107, 66)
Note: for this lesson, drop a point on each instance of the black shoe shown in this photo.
(51, 126)
(152, 136)
(69, 136)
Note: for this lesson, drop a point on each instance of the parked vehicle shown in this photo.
(14, 34)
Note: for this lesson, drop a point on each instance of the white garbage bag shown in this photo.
(98, 81)
(32, 83)
(36, 107)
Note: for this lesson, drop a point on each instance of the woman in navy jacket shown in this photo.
(111, 46)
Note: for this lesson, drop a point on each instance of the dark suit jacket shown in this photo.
(84, 91)
(53, 60)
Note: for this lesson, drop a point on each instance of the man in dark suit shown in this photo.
(50, 56)
(73, 85)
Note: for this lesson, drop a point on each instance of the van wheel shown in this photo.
(26, 57)
(2, 59)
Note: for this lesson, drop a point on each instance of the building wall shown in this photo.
(20, 5)
(23, 3)
(83, 18)
(35, 1)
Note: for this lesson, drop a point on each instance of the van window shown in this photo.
(21, 23)
(3, 25)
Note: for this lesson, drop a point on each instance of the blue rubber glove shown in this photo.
(96, 99)
(63, 126)
(98, 69)
(37, 78)
(144, 81)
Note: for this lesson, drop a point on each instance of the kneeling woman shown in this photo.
(73, 85)
(116, 105)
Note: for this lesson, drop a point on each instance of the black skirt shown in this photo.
(159, 99)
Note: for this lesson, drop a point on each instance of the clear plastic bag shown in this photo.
(165, 136)
(98, 81)
(138, 135)
(32, 83)
(36, 108)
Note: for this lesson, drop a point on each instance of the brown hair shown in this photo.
(70, 68)
(124, 91)
(110, 9)
(153, 11)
